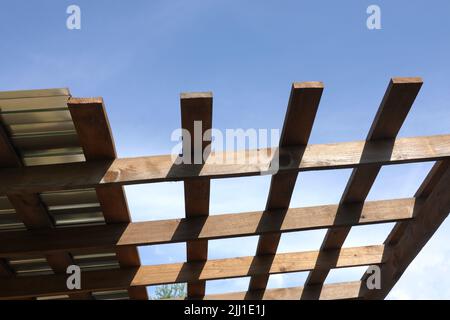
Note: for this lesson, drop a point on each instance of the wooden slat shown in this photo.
(104, 237)
(335, 291)
(94, 133)
(196, 107)
(9, 157)
(407, 240)
(427, 186)
(128, 171)
(31, 210)
(192, 271)
(396, 103)
(301, 111)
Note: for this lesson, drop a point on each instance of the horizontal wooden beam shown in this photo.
(152, 169)
(203, 228)
(192, 271)
(335, 291)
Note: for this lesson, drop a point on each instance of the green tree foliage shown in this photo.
(177, 290)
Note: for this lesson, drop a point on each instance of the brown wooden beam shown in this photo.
(196, 108)
(394, 107)
(407, 240)
(128, 171)
(193, 271)
(16, 243)
(301, 112)
(335, 291)
(94, 133)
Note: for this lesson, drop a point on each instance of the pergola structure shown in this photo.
(62, 201)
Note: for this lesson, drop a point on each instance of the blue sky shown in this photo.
(139, 55)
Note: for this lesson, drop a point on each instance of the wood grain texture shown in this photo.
(30, 209)
(128, 171)
(407, 240)
(203, 228)
(196, 107)
(301, 111)
(94, 133)
(335, 291)
(192, 271)
(397, 101)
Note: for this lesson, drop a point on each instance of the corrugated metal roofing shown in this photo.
(40, 127)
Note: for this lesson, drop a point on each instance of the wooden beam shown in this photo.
(407, 240)
(196, 108)
(394, 107)
(16, 243)
(301, 112)
(94, 133)
(192, 271)
(335, 291)
(31, 210)
(128, 171)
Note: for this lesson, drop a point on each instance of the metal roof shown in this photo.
(40, 128)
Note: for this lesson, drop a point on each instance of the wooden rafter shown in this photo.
(301, 111)
(416, 218)
(408, 239)
(397, 102)
(196, 108)
(94, 133)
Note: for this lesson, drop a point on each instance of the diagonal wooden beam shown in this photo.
(396, 103)
(152, 169)
(192, 271)
(32, 211)
(94, 133)
(196, 119)
(408, 239)
(123, 235)
(301, 111)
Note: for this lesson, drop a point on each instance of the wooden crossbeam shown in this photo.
(94, 134)
(301, 111)
(204, 228)
(335, 291)
(196, 109)
(128, 171)
(32, 212)
(396, 103)
(193, 271)
(408, 239)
